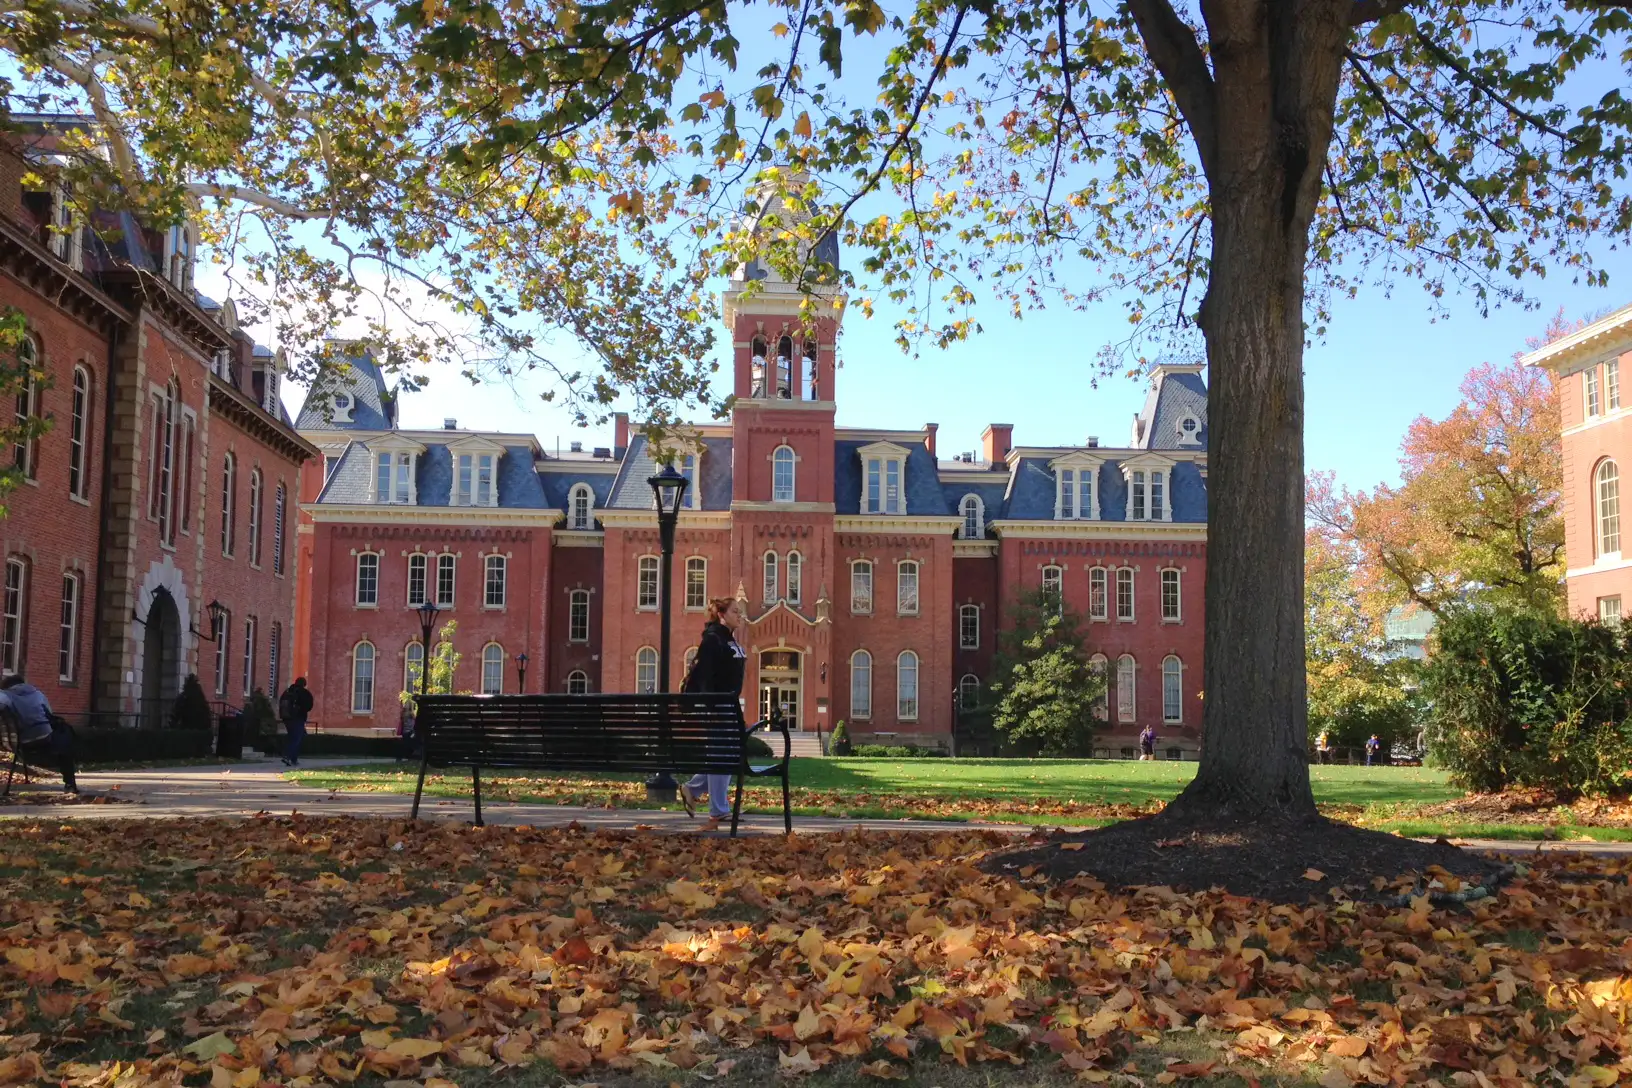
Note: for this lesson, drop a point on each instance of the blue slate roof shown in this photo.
(359, 377)
(1031, 498)
(558, 477)
(922, 486)
(352, 481)
(993, 495)
(1177, 396)
(631, 492)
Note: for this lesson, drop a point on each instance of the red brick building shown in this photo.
(876, 573)
(1595, 412)
(165, 480)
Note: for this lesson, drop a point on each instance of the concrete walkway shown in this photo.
(256, 788)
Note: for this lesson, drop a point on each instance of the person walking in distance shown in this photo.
(294, 707)
(721, 662)
(37, 727)
(1373, 747)
(1147, 743)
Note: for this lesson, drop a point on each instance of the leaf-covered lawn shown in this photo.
(302, 952)
(1046, 792)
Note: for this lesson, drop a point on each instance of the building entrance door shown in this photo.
(161, 659)
(779, 685)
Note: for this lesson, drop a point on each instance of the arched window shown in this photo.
(784, 368)
(757, 351)
(68, 637)
(974, 518)
(447, 565)
(581, 502)
(696, 584)
(418, 567)
(496, 569)
(1172, 690)
(1125, 680)
(249, 655)
(1102, 702)
(162, 464)
(255, 517)
(1608, 480)
(368, 579)
(492, 669)
(28, 405)
(362, 678)
(274, 660)
(811, 371)
(906, 588)
(278, 503)
(229, 502)
(15, 630)
(969, 627)
(772, 582)
(1054, 586)
(79, 436)
(646, 583)
(413, 663)
(577, 682)
(782, 474)
(1099, 594)
(796, 571)
(861, 587)
(691, 660)
(861, 685)
(906, 686)
(646, 671)
(578, 616)
(969, 692)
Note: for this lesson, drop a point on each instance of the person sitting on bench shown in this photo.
(37, 727)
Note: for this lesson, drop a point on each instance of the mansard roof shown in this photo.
(359, 377)
(351, 481)
(632, 492)
(922, 486)
(1177, 391)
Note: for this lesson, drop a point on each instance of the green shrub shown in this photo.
(895, 751)
(191, 709)
(758, 748)
(259, 716)
(1523, 699)
(839, 742)
(141, 745)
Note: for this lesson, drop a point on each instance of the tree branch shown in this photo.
(1178, 56)
(255, 197)
(1371, 11)
(1454, 63)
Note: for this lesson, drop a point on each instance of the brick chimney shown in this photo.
(929, 437)
(996, 441)
(620, 434)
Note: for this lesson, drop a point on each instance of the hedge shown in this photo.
(142, 745)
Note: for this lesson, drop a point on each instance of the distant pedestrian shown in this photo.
(721, 662)
(1373, 747)
(1323, 746)
(38, 728)
(294, 707)
(1147, 743)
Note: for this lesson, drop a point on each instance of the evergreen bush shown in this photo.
(839, 743)
(191, 709)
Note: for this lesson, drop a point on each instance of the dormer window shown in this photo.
(691, 499)
(974, 518)
(394, 477)
(883, 485)
(179, 245)
(1189, 428)
(476, 480)
(1148, 490)
(580, 503)
(53, 211)
(1076, 491)
(343, 405)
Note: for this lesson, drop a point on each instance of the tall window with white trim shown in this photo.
(1126, 677)
(882, 492)
(974, 519)
(1591, 386)
(578, 616)
(696, 584)
(1074, 493)
(274, 660)
(13, 626)
(1609, 611)
(1170, 595)
(690, 498)
(1099, 584)
(782, 474)
(906, 588)
(492, 669)
(646, 671)
(577, 682)
(1136, 495)
(229, 503)
(79, 436)
(362, 678)
(1124, 593)
(1054, 586)
(279, 501)
(497, 570)
(795, 578)
(475, 477)
(969, 692)
(861, 587)
(393, 477)
(1172, 690)
(418, 566)
(368, 579)
(1612, 384)
(1158, 496)
(581, 502)
(68, 638)
(446, 567)
(646, 583)
(27, 452)
(255, 517)
(413, 662)
(1608, 486)
(1102, 702)
(220, 628)
(772, 581)
(249, 656)
(969, 627)
(906, 686)
(861, 685)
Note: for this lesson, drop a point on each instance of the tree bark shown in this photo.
(1274, 71)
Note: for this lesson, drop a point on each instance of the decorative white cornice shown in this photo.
(477, 516)
(895, 523)
(885, 446)
(779, 404)
(578, 538)
(475, 443)
(394, 442)
(556, 466)
(1087, 457)
(1102, 530)
(755, 506)
(1603, 339)
(647, 519)
(780, 300)
(974, 549)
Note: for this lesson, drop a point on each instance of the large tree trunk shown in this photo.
(1263, 135)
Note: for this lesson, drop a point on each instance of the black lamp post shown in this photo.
(669, 489)
(521, 672)
(218, 619)
(427, 620)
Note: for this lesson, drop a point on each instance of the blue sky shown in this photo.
(1383, 362)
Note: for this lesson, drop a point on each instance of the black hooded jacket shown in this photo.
(720, 663)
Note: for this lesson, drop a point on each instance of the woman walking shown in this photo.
(719, 668)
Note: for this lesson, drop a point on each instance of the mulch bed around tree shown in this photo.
(1282, 862)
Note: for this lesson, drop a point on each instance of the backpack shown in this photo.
(286, 704)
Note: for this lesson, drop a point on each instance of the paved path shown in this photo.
(250, 789)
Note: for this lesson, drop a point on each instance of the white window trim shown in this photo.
(1612, 385)
(1177, 719)
(434, 589)
(1127, 710)
(1178, 597)
(504, 584)
(1598, 512)
(475, 447)
(793, 587)
(884, 453)
(1133, 596)
(917, 686)
(395, 444)
(872, 587)
(917, 566)
(1059, 598)
(411, 680)
(572, 596)
(793, 483)
(1148, 465)
(655, 666)
(770, 577)
(1100, 666)
(577, 674)
(867, 714)
(1108, 590)
(429, 586)
(1591, 393)
(373, 679)
(69, 631)
(502, 663)
(963, 610)
(657, 580)
(357, 577)
(963, 517)
(686, 604)
(1181, 437)
(588, 494)
(1076, 464)
(79, 447)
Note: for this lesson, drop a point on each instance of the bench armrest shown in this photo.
(778, 723)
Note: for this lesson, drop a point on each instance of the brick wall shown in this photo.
(1585, 450)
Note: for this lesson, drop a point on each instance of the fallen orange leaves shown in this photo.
(296, 951)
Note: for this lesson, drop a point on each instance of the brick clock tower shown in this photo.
(782, 489)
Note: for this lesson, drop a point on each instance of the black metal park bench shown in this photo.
(684, 734)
